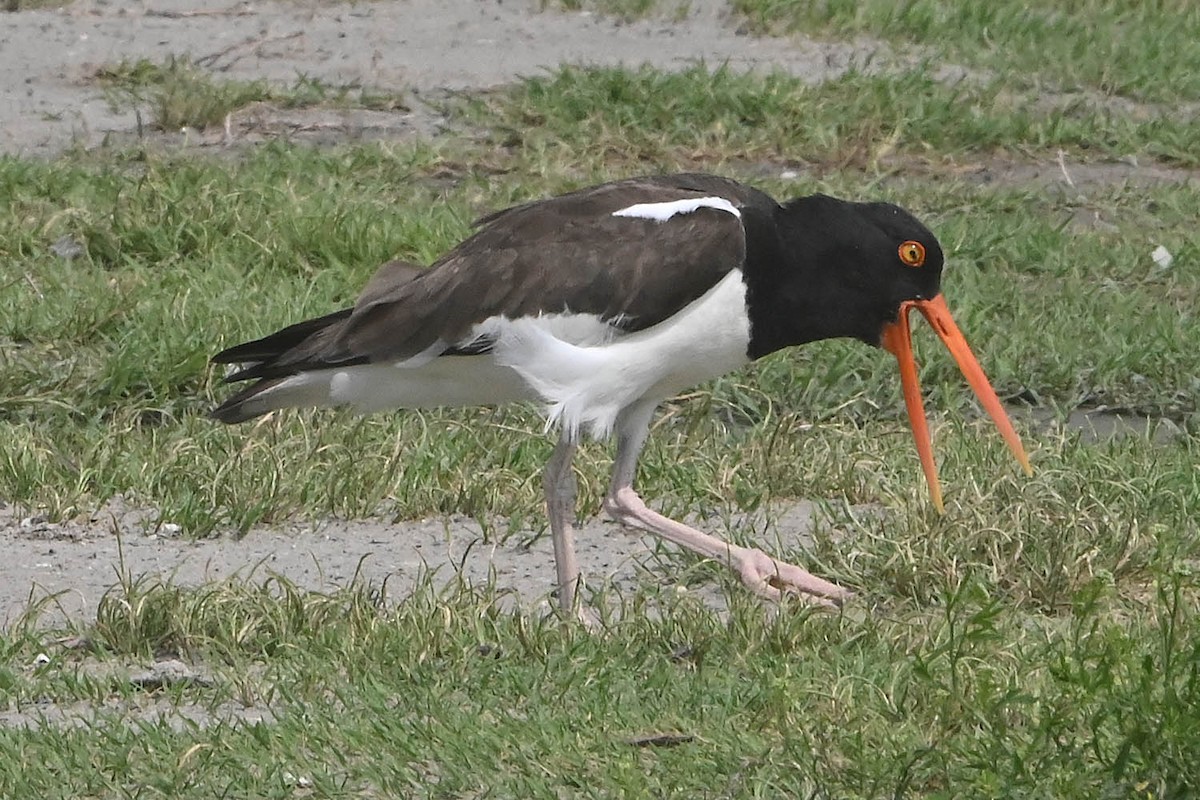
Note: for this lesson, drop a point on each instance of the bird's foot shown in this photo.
(771, 578)
(572, 608)
(766, 576)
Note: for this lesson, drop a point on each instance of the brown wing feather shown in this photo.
(299, 342)
(567, 253)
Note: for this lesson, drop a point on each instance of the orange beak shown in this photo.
(897, 339)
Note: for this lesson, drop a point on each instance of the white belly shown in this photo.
(587, 387)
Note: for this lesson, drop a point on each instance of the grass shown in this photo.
(31, 5)
(855, 120)
(445, 696)
(1114, 47)
(1103, 48)
(626, 10)
(180, 94)
(1040, 639)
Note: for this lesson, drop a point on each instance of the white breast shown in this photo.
(588, 386)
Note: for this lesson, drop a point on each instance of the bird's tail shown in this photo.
(295, 366)
(271, 394)
(260, 359)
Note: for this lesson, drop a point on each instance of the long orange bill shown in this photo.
(897, 339)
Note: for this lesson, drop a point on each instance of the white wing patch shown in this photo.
(661, 212)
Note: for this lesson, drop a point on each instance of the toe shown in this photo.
(771, 578)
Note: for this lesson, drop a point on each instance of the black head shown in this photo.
(895, 253)
(842, 270)
(823, 268)
(877, 253)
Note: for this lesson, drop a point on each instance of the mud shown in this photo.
(66, 567)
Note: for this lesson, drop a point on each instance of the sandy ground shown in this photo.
(49, 101)
(48, 59)
(76, 561)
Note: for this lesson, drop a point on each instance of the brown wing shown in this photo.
(567, 253)
(303, 340)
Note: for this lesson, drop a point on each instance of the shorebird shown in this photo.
(600, 304)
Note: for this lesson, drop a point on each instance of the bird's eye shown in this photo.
(912, 253)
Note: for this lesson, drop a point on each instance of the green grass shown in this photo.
(31, 5)
(180, 94)
(447, 697)
(1116, 47)
(623, 9)
(647, 115)
(1039, 640)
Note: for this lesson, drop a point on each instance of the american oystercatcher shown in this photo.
(602, 303)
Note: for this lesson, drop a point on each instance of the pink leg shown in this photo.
(764, 575)
(559, 484)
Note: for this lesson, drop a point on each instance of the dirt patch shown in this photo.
(1075, 183)
(136, 697)
(1095, 426)
(76, 561)
(1059, 177)
(418, 47)
(1074, 179)
(151, 709)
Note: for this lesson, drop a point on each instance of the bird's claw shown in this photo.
(771, 578)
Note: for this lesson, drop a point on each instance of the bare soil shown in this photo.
(76, 561)
(48, 59)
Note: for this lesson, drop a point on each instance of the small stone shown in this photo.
(169, 672)
(300, 781)
(66, 247)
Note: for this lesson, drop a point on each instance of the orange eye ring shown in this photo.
(912, 253)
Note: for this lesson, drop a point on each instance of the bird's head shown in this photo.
(882, 263)
(868, 258)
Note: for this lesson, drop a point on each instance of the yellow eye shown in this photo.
(912, 253)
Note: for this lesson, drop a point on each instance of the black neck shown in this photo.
(792, 297)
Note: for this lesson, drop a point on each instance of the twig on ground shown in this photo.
(1062, 165)
(252, 42)
(218, 12)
